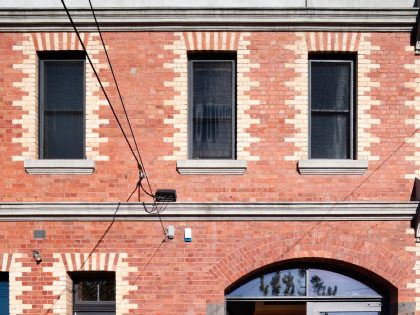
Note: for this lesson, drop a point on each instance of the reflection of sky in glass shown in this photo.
(291, 281)
(349, 313)
(345, 286)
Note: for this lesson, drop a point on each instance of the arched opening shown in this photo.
(310, 288)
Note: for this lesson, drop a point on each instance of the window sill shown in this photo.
(211, 167)
(60, 167)
(332, 167)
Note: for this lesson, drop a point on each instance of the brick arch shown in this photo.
(5, 261)
(90, 262)
(212, 40)
(330, 41)
(60, 289)
(246, 260)
(59, 41)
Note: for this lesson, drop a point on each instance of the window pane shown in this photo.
(107, 290)
(212, 116)
(63, 85)
(290, 282)
(330, 85)
(4, 294)
(63, 135)
(327, 283)
(87, 291)
(330, 136)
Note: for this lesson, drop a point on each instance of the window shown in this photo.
(331, 90)
(62, 105)
(306, 290)
(4, 293)
(93, 293)
(212, 98)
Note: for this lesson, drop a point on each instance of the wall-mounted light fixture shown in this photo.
(165, 195)
(37, 256)
(170, 232)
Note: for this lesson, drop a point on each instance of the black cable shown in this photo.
(120, 96)
(101, 85)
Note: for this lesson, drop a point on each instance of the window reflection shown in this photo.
(290, 282)
(327, 283)
(96, 290)
(293, 282)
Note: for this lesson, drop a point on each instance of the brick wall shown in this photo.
(272, 116)
(153, 275)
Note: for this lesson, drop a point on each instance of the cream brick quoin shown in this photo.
(326, 42)
(414, 103)
(61, 288)
(16, 287)
(416, 285)
(210, 41)
(29, 86)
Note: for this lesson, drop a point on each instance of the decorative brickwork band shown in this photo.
(61, 287)
(17, 289)
(28, 87)
(210, 41)
(415, 285)
(6, 261)
(332, 42)
(414, 103)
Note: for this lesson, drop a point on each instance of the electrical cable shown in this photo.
(139, 165)
(120, 96)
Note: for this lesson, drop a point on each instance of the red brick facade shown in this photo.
(388, 178)
(155, 274)
(185, 277)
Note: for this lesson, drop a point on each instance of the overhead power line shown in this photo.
(121, 98)
(138, 159)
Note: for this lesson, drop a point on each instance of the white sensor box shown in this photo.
(187, 235)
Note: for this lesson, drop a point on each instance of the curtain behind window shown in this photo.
(212, 109)
(330, 110)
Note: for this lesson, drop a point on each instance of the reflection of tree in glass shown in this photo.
(301, 291)
(320, 289)
(263, 287)
(87, 291)
(275, 284)
(107, 290)
(290, 285)
(286, 284)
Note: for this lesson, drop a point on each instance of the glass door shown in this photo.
(344, 308)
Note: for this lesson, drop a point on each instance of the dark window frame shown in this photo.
(53, 56)
(193, 58)
(350, 58)
(80, 306)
